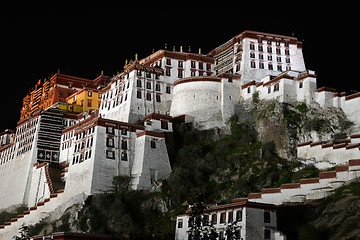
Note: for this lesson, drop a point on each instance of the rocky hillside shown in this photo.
(335, 217)
(257, 151)
(288, 124)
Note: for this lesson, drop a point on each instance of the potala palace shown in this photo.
(74, 134)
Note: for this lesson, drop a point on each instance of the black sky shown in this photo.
(82, 41)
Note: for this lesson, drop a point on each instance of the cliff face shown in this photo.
(288, 124)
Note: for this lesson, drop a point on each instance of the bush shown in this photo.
(309, 232)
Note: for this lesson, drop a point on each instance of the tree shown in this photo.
(24, 233)
(200, 226)
(231, 232)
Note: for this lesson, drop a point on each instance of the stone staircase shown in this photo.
(330, 154)
(308, 189)
(53, 205)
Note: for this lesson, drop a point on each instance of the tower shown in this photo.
(254, 55)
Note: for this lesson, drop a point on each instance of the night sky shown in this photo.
(82, 41)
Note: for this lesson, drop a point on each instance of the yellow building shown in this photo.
(87, 98)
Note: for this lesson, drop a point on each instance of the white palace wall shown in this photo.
(351, 108)
(15, 176)
(209, 100)
(40, 184)
(199, 97)
(16, 166)
(230, 95)
(151, 160)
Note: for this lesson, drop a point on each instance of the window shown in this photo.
(180, 73)
(124, 156)
(230, 217)
(148, 85)
(168, 89)
(276, 87)
(192, 64)
(221, 235)
(270, 66)
(266, 217)
(201, 66)
(269, 89)
(124, 144)
(287, 52)
(180, 223)
(152, 143)
(148, 96)
(269, 57)
(223, 217)
(148, 74)
(252, 55)
(138, 83)
(300, 84)
(208, 66)
(138, 73)
(278, 51)
(138, 94)
(269, 49)
(123, 131)
(261, 56)
(287, 60)
(260, 48)
(89, 94)
(279, 68)
(168, 61)
(167, 72)
(109, 130)
(110, 154)
(190, 221)
(164, 124)
(109, 142)
(267, 234)
(158, 98)
(253, 64)
(214, 219)
(248, 90)
(278, 59)
(239, 215)
(89, 103)
(180, 64)
(261, 65)
(252, 46)
(157, 87)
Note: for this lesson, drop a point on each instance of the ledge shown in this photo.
(290, 186)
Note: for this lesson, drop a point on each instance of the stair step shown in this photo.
(322, 188)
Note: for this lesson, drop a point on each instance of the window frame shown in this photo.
(110, 154)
